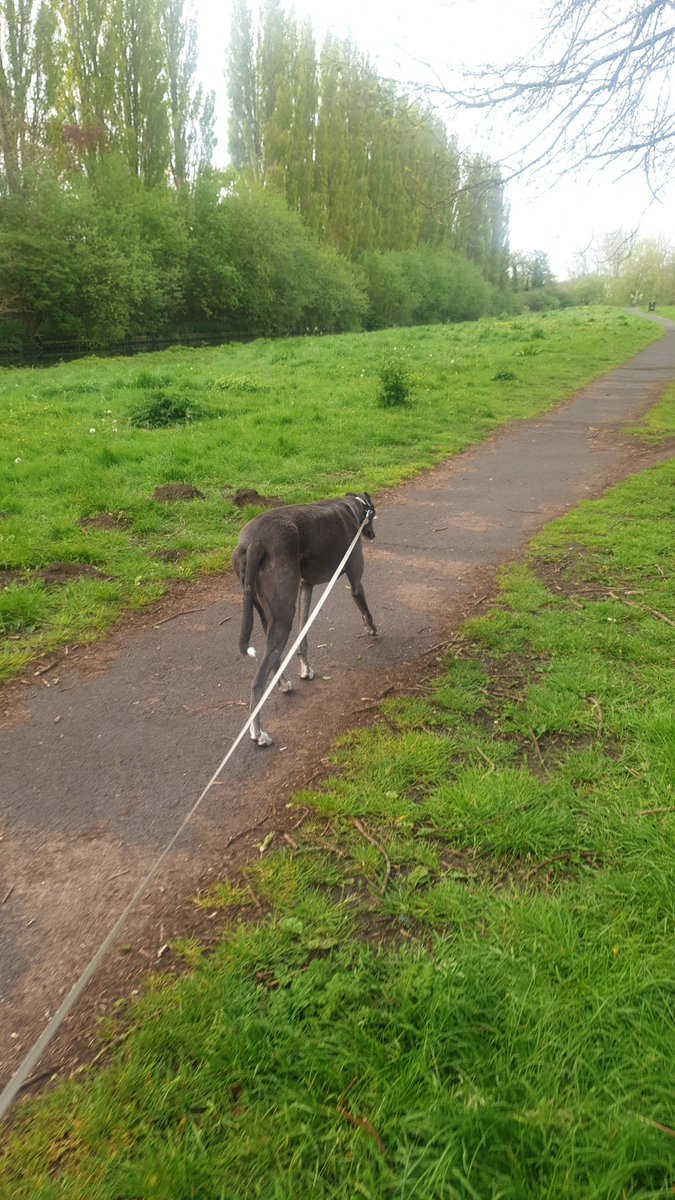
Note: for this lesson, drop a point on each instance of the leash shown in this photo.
(32, 1058)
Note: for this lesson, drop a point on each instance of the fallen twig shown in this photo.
(537, 747)
(8, 894)
(374, 703)
(110, 1046)
(655, 1124)
(648, 812)
(41, 1075)
(47, 667)
(563, 854)
(377, 846)
(654, 612)
(242, 832)
(488, 760)
(184, 613)
(596, 705)
(361, 1122)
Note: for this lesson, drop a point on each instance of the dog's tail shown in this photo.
(254, 557)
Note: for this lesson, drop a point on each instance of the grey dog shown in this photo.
(290, 548)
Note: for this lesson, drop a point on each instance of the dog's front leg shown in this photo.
(306, 671)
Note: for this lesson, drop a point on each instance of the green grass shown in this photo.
(662, 310)
(259, 416)
(477, 998)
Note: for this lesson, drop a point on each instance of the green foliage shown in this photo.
(23, 608)
(368, 169)
(163, 409)
(423, 286)
(394, 387)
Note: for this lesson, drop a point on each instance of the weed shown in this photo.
(163, 409)
(394, 384)
(23, 608)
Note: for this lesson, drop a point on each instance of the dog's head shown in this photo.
(366, 509)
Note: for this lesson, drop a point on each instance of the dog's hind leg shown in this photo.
(285, 684)
(276, 640)
(306, 671)
(279, 626)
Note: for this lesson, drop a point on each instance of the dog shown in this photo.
(290, 549)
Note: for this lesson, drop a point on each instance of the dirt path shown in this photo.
(99, 767)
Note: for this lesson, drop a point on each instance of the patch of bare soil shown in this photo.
(169, 555)
(177, 491)
(246, 496)
(55, 574)
(105, 520)
(65, 572)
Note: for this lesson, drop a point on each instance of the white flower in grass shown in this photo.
(92, 431)
(18, 460)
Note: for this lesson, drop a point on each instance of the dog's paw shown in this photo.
(264, 739)
(285, 684)
(306, 673)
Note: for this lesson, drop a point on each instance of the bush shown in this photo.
(424, 286)
(161, 410)
(394, 385)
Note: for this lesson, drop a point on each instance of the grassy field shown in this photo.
(297, 418)
(458, 981)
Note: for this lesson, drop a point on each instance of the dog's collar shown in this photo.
(368, 509)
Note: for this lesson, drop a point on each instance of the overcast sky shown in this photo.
(559, 216)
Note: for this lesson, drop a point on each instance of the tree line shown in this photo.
(346, 204)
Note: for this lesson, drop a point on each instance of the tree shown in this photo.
(191, 114)
(27, 77)
(244, 133)
(595, 90)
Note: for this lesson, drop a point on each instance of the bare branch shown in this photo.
(596, 88)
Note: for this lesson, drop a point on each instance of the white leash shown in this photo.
(10, 1092)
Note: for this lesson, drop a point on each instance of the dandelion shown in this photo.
(92, 431)
(18, 460)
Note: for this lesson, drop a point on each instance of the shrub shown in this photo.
(394, 385)
(162, 410)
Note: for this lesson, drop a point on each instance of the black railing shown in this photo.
(47, 351)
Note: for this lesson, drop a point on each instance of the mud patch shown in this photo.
(177, 491)
(55, 574)
(169, 555)
(246, 496)
(105, 520)
(64, 572)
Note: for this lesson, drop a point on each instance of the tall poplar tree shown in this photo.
(27, 76)
(191, 114)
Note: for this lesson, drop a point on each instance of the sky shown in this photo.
(422, 39)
